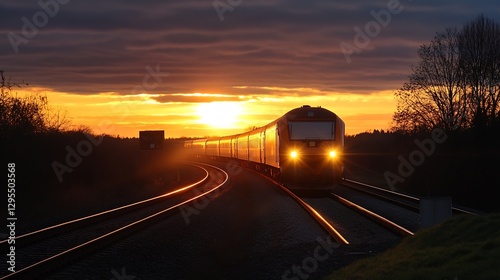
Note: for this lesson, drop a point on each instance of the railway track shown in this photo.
(379, 219)
(409, 202)
(316, 215)
(363, 231)
(43, 251)
(397, 212)
(326, 223)
(394, 223)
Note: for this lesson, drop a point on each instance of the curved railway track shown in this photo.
(327, 225)
(392, 223)
(329, 228)
(409, 202)
(42, 251)
(394, 198)
(317, 216)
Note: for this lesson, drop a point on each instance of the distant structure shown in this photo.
(151, 139)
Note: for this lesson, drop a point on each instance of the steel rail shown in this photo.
(42, 267)
(315, 214)
(392, 226)
(102, 215)
(414, 201)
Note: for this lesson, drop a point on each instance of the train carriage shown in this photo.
(242, 147)
(225, 147)
(271, 142)
(255, 146)
(212, 147)
(196, 147)
(302, 149)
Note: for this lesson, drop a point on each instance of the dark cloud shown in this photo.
(102, 46)
(180, 98)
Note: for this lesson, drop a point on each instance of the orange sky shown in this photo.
(185, 68)
(126, 115)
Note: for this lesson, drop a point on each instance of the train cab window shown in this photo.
(311, 130)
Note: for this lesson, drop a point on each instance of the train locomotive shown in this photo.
(302, 149)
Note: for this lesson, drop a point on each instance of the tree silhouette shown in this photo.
(21, 116)
(456, 83)
(479, 46)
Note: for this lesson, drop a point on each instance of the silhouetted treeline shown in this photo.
(462, 164)
(26, 115)
(456, 83)
(85, 158)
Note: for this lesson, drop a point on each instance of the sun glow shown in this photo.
(196, 115)
(219, 114)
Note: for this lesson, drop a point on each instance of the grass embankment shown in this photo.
(464, 247)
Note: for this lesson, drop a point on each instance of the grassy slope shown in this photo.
(463, 247)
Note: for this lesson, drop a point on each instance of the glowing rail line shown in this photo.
(50, 263)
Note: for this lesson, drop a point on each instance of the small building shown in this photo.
(151, 139)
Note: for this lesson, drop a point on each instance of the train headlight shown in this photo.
(294, 154)
(332, 154)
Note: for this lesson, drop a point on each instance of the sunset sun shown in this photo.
(219, 114)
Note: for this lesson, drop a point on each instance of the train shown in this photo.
(301, 150)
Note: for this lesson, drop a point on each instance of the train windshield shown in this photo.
(311, 130)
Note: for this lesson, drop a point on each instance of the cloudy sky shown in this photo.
(204, 67)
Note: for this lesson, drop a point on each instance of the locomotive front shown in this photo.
(311, 145)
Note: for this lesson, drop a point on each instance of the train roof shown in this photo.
(308, 112)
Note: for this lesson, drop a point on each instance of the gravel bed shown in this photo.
(404, 217)
(252, 231)
(356, 228)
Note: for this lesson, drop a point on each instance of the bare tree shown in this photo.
(55, 118)
(434, 95)
(479, 44)
(456, 84)
(31, 114)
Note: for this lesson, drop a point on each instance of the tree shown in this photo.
(479, 45)
(21, 116)
(456, 83)
(434, 95)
